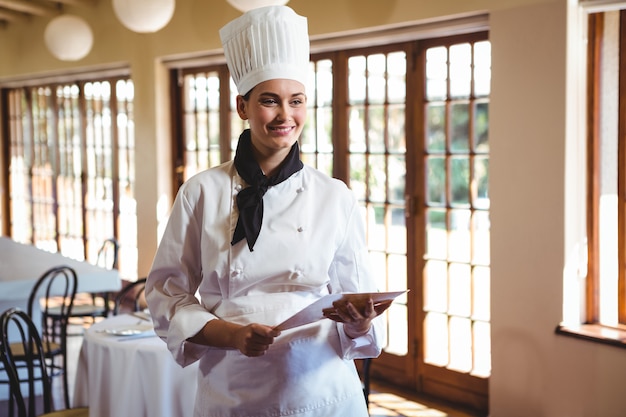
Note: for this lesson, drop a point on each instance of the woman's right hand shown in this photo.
(254, 339)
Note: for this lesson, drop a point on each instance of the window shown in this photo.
(604, 307)
(70, 168)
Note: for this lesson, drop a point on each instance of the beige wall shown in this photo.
(535, 170)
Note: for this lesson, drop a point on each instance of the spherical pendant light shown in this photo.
(245, 5)
(144, 16)
(68, 38)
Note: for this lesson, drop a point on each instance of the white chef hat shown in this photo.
(265, 44)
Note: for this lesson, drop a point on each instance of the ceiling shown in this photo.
(18, 11)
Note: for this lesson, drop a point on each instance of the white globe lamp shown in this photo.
(144, 16)
(68, 38)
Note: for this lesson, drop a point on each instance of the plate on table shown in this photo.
(131, 330)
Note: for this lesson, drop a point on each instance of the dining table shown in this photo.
(124, 369)
(21, 265)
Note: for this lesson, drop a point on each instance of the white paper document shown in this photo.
(315, 311)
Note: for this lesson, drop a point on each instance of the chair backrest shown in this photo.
(131, 293)
(54, 294)
(24, 363)
(107, 254)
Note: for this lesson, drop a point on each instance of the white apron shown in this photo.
(302, 373)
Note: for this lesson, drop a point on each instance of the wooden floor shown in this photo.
(385, 401)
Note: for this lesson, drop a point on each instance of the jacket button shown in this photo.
(300, 229)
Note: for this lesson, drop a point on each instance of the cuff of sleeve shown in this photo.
(364, 346)
(186, 323)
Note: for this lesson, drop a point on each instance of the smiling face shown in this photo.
(276, 112)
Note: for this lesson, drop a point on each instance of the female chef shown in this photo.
(255, 240)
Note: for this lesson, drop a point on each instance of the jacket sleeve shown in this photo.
(173, 281)
(351, 272)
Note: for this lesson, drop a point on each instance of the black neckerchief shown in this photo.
(250, 199)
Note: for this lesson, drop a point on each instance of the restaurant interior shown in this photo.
(463, 128)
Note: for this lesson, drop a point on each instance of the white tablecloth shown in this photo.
(22, 265)
(131, 376)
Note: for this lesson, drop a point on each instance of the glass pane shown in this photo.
(460, 70)
(460, 344)
(376, 86)
(397, 233)
(481, 180)
(397, 341)
(436, 339)
(482, 349)
(459, 236)
(396, 178)
(376, 131)
(201, 137)
(377, 236)
(460, 278)
(481, 126)
(397, 263)
(377, 178)
(325, 163)
(436, 73)
(436, 234)
(213, 91)
(460, 180)
(378, 261)
(357, 129)
(459, 134)
(436, 287)
(357, 176)
(357, 79)
(480, 292)
(436, 127)
(307, 141)
(396, 74)
(436, 180)
(324, 129)
(199, 93)
(324, 90)
(482, 68)
(396, 129)
(481, 237)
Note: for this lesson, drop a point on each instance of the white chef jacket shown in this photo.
(311, 243)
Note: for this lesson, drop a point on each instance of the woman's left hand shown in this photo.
(356, 321)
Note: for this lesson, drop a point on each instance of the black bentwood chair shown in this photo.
(131, 295)
(52, 298)
(24, 359)
(88, 307)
